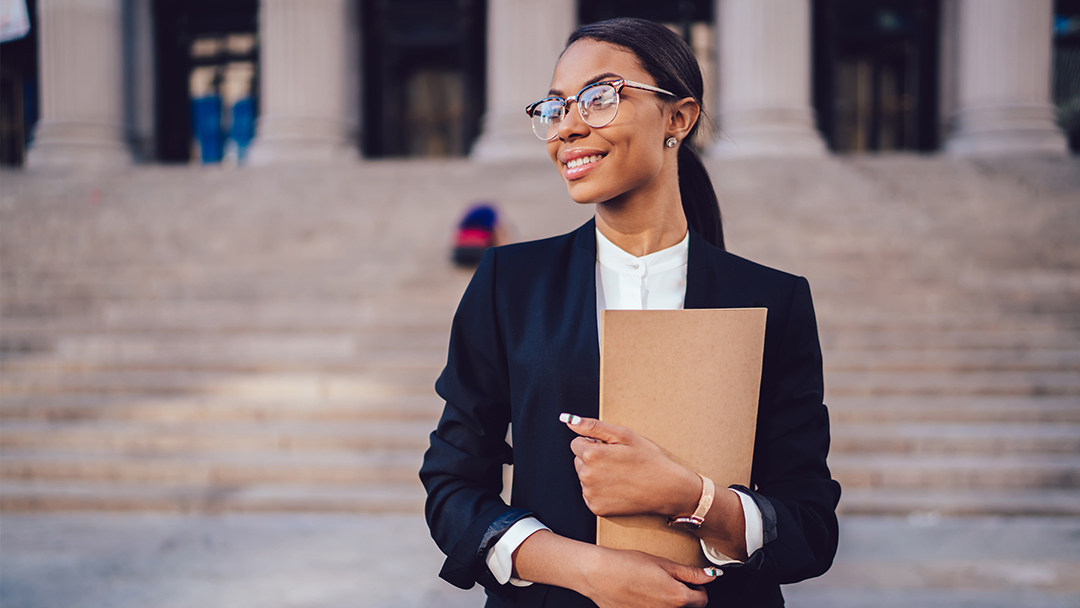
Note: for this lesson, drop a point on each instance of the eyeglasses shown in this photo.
(597, 103)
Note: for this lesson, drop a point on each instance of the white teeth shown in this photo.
(577, 162)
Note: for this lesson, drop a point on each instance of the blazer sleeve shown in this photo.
(793, 487)
(462, 470)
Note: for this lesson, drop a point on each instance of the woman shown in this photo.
(524, 349)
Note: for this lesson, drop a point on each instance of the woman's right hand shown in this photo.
(619, 579)
(613, 578)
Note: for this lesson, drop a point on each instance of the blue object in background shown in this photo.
(206, 125)
(243, 126)
(475, 234)
(481, 216)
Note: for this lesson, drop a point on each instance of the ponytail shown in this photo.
(699, 201)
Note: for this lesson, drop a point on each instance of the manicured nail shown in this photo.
(575, 420)
(713, 572)
(564, 418)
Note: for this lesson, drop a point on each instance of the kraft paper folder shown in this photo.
(687, 380)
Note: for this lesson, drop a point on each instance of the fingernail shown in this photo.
(564, 418)
(575, 420)
(592, 439)
(713, 572)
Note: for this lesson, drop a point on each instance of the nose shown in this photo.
(572, 126)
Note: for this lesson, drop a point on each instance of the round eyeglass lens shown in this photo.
(598, 105)
(546, 117)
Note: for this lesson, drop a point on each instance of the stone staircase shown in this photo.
(177, 339)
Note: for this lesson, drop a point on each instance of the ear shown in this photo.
(684, 116)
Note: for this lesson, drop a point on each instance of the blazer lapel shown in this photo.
(583, 270)
(705, 285)
(698, 289)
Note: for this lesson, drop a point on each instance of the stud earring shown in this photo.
(671, 141)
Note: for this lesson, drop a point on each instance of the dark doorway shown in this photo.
(202, 47)
(681, 13)
(423, 76)
(1067, 69)
(875, 73)
(18, 92)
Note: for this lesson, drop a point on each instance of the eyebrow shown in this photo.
(593, 80)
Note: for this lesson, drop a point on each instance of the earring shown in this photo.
(671, 141)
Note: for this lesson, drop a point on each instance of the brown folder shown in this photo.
(687, 380)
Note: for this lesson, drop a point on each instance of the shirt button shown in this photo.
(633, 265)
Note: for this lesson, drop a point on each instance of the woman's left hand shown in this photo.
(622, 473)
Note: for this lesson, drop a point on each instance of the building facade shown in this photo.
(270, 81)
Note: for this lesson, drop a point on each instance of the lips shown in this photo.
(577, 163)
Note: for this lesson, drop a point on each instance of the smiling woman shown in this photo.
(524, 350)
(625, 89)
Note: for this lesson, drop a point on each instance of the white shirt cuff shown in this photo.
(500, 558)
(755, 535)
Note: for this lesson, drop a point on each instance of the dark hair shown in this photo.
(671, 63)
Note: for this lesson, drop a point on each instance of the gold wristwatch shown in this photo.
(708, 490)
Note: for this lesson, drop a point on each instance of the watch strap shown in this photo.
(708, 493)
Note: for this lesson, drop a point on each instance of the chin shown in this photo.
(583, 198)
(585, 194)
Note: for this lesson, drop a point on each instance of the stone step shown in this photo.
(911, 338)
(407, 495)
(52, 496)
(181, 437)
(317, 385)
(283, 344)
(172, 409)
(1011, 471)
(834, 272)
(349, 354)
(243, 288)
(851, 252)
(396, 381)
(220, 468)
(388, 321)
(291, 342)
(892, 409)
(403, 308)
(852, 471)
(927, 504)
(434, 292)
(157, 408)
(899, 360)
(831, 272)
(429, 361)
(438, 299)
(867, 383)
(875, 321)
(46, 495)
(142, 438)
(955, 438)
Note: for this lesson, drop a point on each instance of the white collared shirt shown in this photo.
(656, 281)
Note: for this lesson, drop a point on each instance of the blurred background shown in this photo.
(226, 279)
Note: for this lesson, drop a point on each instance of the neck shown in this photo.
(641, 227)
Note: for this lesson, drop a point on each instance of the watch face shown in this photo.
(685, 523)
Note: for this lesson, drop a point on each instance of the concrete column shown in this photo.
(524, 40)
(1003, 54)
(947, 67)
(309, 79)
(764, 107)
(139, 68)
(81, 75)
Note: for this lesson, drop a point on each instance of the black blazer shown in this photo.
(524, 348)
